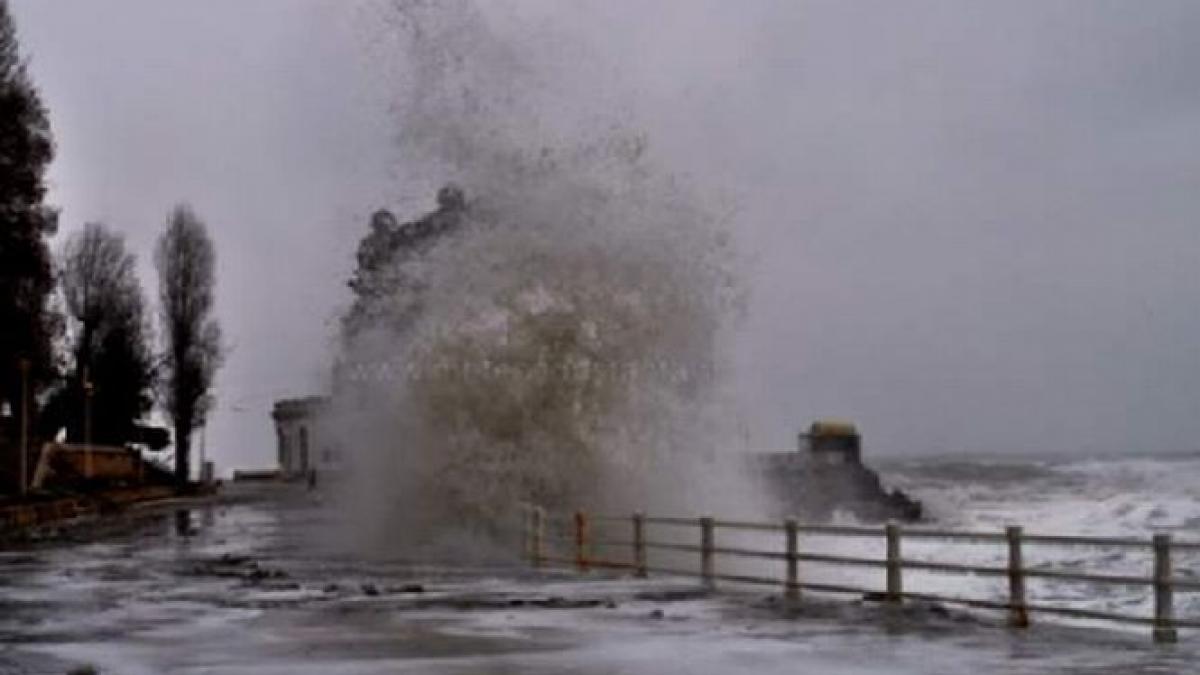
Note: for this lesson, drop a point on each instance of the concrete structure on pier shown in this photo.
(826, 474)
(832, 443)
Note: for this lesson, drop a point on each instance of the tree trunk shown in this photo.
(183, 452)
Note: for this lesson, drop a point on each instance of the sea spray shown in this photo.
(563, 343)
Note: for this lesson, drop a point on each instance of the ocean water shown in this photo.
(1096, 496)
(1117, 496)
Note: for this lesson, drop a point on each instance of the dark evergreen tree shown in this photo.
(27, 326)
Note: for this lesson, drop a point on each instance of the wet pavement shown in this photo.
(241, 587)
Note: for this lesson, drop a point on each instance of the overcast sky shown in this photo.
(972, 226)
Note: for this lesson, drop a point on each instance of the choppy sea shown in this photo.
(1128, 497)
(1117, 496)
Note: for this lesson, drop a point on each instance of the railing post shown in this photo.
(1164, 611)
(537, 534)
(527, 533)
(639, 545)
(581, 539)
(706, 552)
(529, 526)
(791, 588)
(895, 586)
(1018, 615)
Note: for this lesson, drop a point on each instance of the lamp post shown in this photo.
(88, 390)
(203, 442)
(24, 447)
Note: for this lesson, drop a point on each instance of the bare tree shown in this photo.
(110, 337)
(98, 276)
(186, 262)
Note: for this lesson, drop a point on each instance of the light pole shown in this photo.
(88, 390)
(203, 443)
(24, 447)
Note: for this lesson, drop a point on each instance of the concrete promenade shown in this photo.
(238, 586)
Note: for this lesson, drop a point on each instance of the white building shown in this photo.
(303, 443)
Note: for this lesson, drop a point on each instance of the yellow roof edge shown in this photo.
(833, 427)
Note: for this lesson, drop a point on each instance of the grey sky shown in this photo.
(971, 224)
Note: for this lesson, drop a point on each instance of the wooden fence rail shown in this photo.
(1162, 580)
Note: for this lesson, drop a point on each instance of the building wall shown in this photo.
(303, 444)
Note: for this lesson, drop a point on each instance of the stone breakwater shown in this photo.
(826, 474)
(815, 490)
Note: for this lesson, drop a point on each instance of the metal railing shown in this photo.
(577, 534)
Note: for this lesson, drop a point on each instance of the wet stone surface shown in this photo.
(242, 588)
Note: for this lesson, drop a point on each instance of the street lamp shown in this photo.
(207, 476)
(24, 447)
(88, 391)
